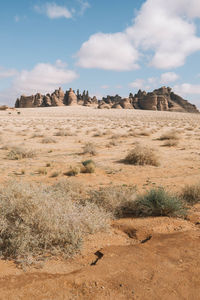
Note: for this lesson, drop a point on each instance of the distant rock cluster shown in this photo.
(162, 99)
(57, 98)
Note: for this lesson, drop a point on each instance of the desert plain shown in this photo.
(154, 257)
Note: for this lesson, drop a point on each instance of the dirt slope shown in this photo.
(160, 261)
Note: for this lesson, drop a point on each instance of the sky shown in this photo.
(106, 47)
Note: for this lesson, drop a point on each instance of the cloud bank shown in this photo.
(166, 29)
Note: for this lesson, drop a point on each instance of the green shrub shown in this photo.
(158, 202)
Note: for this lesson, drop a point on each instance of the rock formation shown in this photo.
(162, 99)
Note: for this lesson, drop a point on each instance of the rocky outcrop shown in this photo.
(162, 99)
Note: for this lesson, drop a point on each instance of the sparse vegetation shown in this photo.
(89, 148)
(142, 156)
(191, 194)
(48, 140)
(170, 135)
(19, 153)
(170, 143)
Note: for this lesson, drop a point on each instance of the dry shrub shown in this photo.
(37, 220)
(88, 166)
(89, 148)
(191, 193)
(19, 153)
(170, 143)
(48, 140)
(170, 135)
(113, 199)
(73, 171)
(63, 132)
(142, 156)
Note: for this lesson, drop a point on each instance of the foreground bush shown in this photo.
(142, 156)
(191, 194)
(38, 220)
(158, 202)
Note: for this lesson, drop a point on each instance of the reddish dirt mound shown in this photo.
(154, 258)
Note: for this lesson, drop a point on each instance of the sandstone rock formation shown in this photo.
(162, 99)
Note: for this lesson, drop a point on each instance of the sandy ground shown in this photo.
(152, 258)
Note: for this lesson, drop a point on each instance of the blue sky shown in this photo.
(107, 47)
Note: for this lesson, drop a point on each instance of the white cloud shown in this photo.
(187, 89)
(164, 28)
(43, 78)
(137, 84)
(108, 52)
(169, 77)
(6, 73)
(54, 11)
(84, 5)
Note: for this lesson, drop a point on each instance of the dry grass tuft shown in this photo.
(191, 193)
(142, 156)
(19, 153)
(89, 148)
(171, 143)
(170, 135)
(48, 140)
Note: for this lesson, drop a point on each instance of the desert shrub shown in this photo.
(158, 202)
(89, 148)
(142, 156)
(170, 143)
(73, 171)
(113, 199)
(63, 132)
(88, 166)
(54, 174)
(17, 153)
(42, 171)
(191, 193)
(36, 135)
(36, 220)
(170, 135)
(48, 140)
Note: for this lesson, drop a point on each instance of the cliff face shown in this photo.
(162, 99)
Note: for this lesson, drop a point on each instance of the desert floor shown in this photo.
(167, 266)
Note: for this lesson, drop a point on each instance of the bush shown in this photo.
(88, 166)
(48, 140)
(158, 202)
(170, 143)
(39, 220)
(63, 132)
(113, 199)
(73, 171)
(191, 194)
(170, 135)
(19, 153)
(142, 156)
(89, 148)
